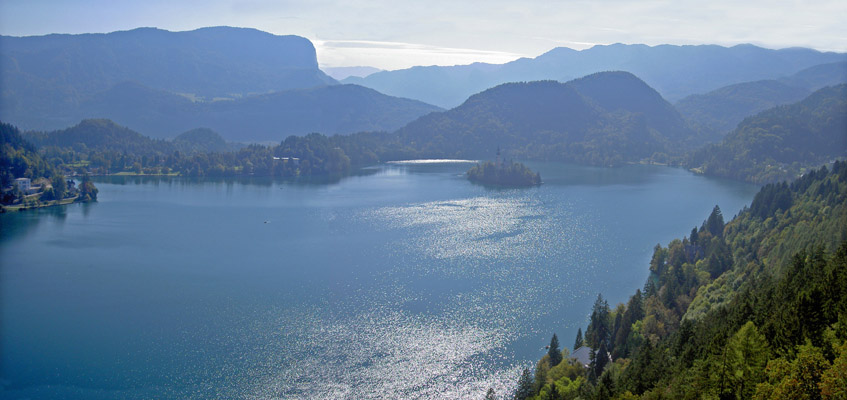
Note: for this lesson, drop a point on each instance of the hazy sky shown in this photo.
(393, 34)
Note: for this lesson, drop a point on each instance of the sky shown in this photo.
(394, 34)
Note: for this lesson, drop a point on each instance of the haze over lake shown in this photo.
(408, 282)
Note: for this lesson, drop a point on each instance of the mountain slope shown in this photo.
(818, 76)
(19, 158)
(674, 71)
(777, 143)
(218, 61)
(605, 119)
(719, 111)
(45, 79)
(752, 309)
(335, 109)
(202, 140)
(716, 113)
(101, 135)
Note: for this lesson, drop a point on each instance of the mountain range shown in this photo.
(250, 86)
(332, 109)
(674, 71)
(246, 84)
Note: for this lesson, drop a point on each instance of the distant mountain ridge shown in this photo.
(674, 71)
(335, 109)
(246, 84)
(207, 62)
(346, 72)
(719, 111)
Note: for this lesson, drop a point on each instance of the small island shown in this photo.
(503, 173)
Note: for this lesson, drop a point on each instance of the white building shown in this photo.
(24, 184)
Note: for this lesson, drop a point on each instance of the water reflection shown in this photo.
(305, 181)
(21, 223)
(404, 283)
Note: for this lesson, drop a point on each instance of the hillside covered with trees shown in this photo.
(716, 113)
(104, 147)
(605, 119)
(20, 158)
(755, 308)
(780, 142)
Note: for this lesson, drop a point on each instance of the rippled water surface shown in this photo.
(409, 282)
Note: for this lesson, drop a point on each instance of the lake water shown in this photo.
(407, 282)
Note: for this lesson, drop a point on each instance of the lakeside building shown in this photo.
(24, 184)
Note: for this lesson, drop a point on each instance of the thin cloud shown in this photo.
(402, 55)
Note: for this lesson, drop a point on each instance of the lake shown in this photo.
(404, 282)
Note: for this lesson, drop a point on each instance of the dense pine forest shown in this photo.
(755, 308)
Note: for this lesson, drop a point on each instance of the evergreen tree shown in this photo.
(714, 224)
(554, 352)
(599, 329)
(605, 387)
(524, 390)
(553, 394)
(601, 359)
(747, 352)
(578, 342)
(541, 370)
(621, 346)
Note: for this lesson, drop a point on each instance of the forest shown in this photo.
(782, 142)
(755, 308)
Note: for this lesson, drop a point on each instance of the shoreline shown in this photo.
(20, 207)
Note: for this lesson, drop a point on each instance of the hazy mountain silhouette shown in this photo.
(336, 109)
(674, 71)
(345, 72)
(718, 112)
(207, 62)
(246, 84)
(818, 76)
